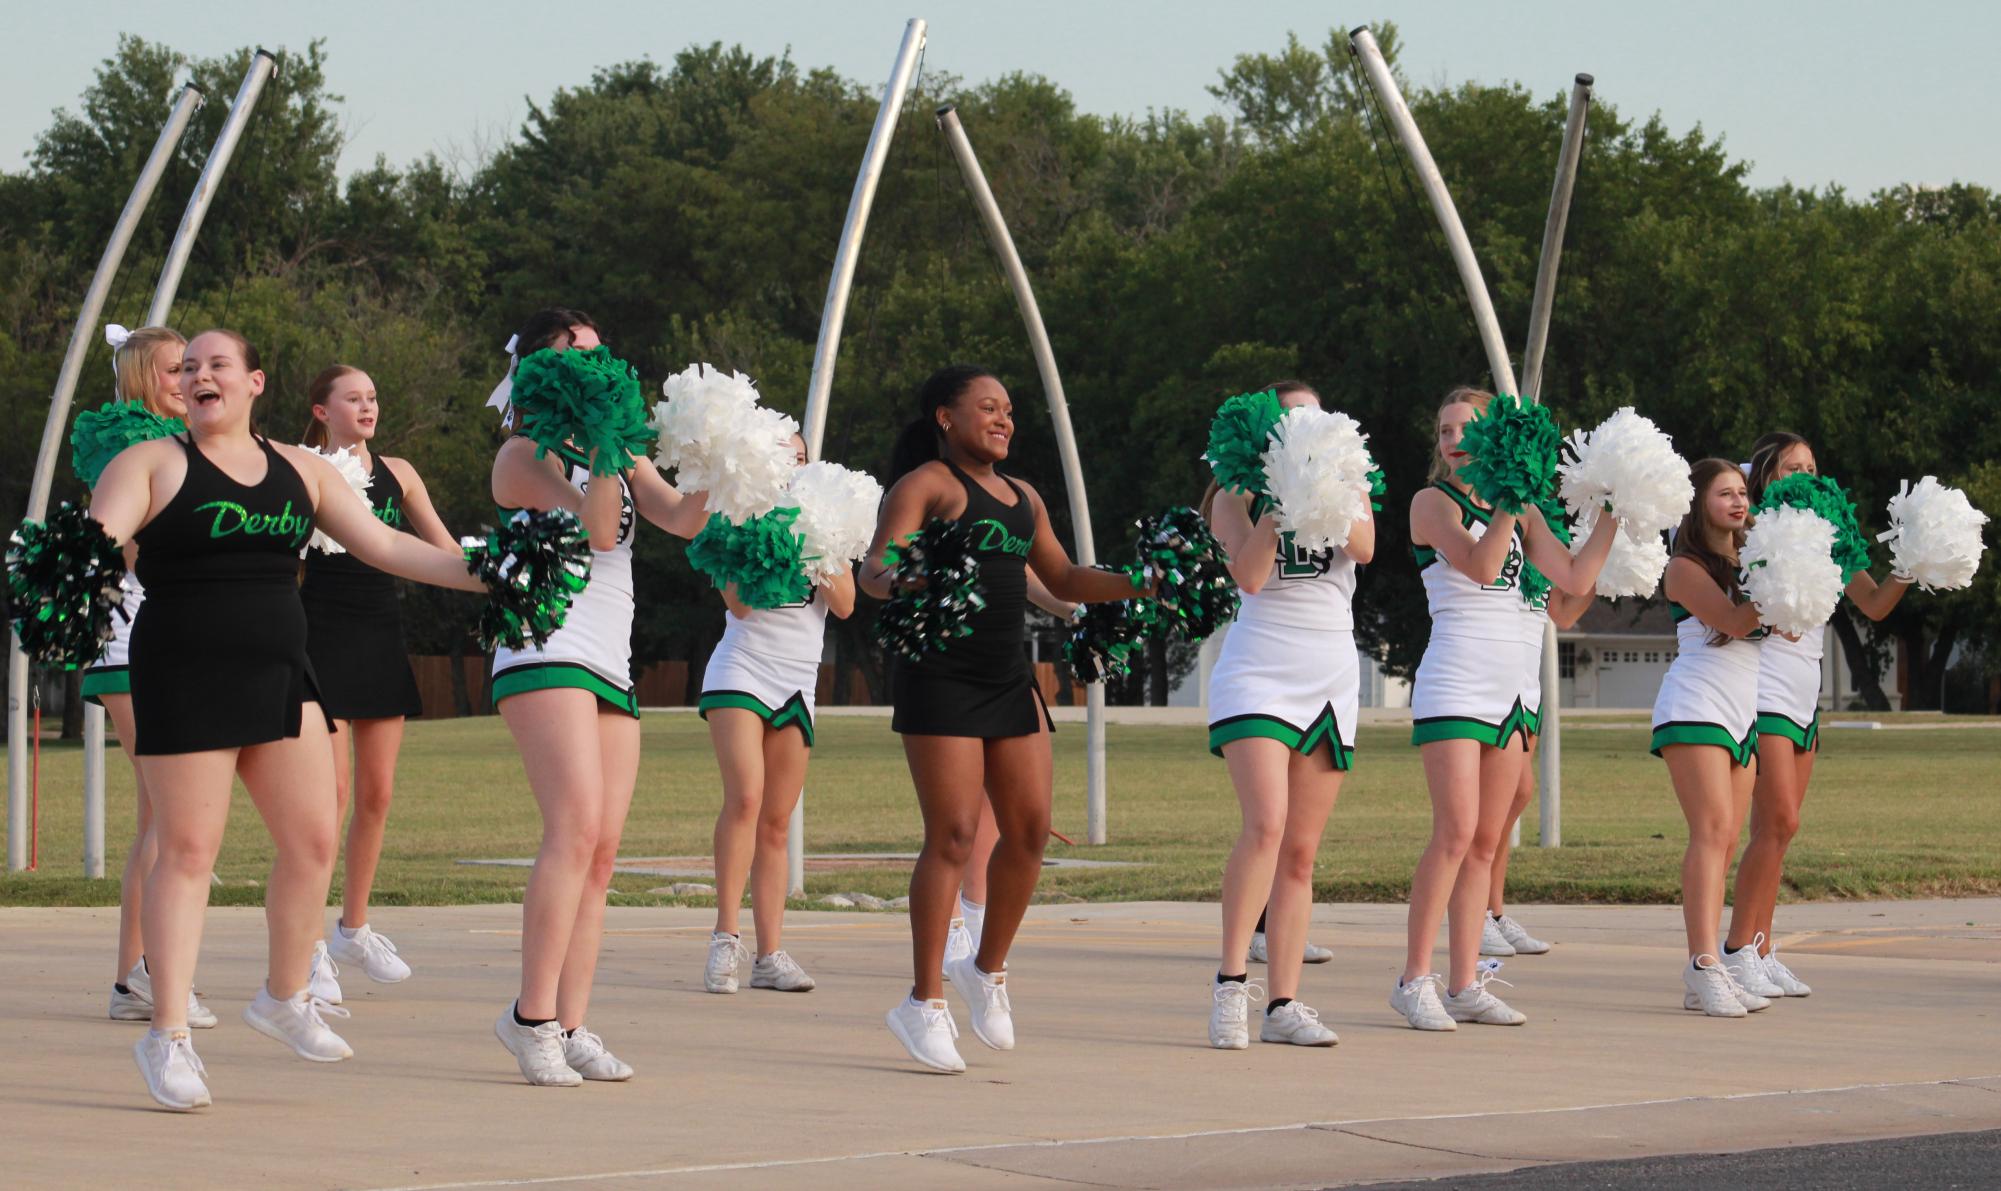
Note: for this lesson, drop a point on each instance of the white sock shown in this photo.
(342, 928)
(974, 913)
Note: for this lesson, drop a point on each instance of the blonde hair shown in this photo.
(1441, 471)
(138, 380)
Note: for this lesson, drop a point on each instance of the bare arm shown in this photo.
(347, 519)
(681, 514)
(1434, 522)
(910, 502)
(1064, 578)
(1565, 610)
(1690, 586)
(417, 506)
(839, 592)
(1251, 546)
(123, 500)
(1361, 547)
(1876, 600)
(1577, 575)
(1046, 600)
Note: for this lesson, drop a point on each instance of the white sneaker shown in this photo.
(1229, 1015)
(1781, 975)
(174, 1074)
(1747, 968)
(987, 1008)
(1296, 1024)
(1709, 989)
(136, 1003)
(1521, 940)
(373, 953)
(584, 1053)
(726, 951)
(1476, 1006)
(296, 1021)
(1492, 941)
(1313, 954)
(1259, 953)
(926, 1030)
(321, 980)
(538, 1049)
(780, 971)
(958, 943)
(1417, 1000)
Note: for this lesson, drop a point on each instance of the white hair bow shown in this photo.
(503, 393)
(1746, 469)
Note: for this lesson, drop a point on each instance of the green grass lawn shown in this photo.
(1891, 814)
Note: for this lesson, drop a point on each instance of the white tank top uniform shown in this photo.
(769, 662)
(593, 649)
(111, 673)
(1480, 678)
(1288, 670)
(1789, 688)
(1710, 693)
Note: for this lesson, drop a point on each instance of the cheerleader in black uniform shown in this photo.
(354, 636)
(972, 720)
(222, 688)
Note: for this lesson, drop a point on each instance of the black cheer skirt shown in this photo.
(219, 666)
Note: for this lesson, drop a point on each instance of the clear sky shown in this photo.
(1864, 95)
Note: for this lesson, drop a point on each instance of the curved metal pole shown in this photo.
(835, 311)
(1066, 438)
(178, 115)
(1398, 112)
(1549, 794)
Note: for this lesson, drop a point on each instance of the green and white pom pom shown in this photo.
(100, 434)
(764, 557)
(1379, 487)
(935, 591)
(1822, 495)
(533, 565)
(587, 400)
(1239, 436)
(65, 578)
(347, 462)
(1511, 453)
(1106, 636)
(1196, 595)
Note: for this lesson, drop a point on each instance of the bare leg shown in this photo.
(1020, 782)
(1259, 769)
(556, 732)
(291, 782)
(985, 836)
(618, 744)
(950, 775)
(1500, 772)
(1776, 796)
(785, 755)
(377, 743)
(139, 860)
(190, 794)
(738, 737)
(1524, 791)
(1452, 771)
(1314, 785)
(1704, 785)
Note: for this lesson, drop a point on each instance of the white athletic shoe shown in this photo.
(296, 1021)
(726, 952)
(136, 1004)
(373, 953)
(1230, 1013)
(584, 1053)
(1521, 940)
(322, 980)
(1747, 968)
(1492, 941)
(1476, 1006)
(926, 1030)
(172, 1069)
(958, 942)
(1417, 1000)
(1314, 953)
(781, 972)
(538, 1049)
(987, 1008)
(1296, 1024)
(1707, 988)
(1781, 975)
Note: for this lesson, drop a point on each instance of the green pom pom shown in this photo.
(1511, 451)
(1822, 495)
(1107, 635)
(1535, 586)
(533, 566)
(65, 577)
(1196, 595)
(936, 590)
(1238, 439)
(1379, 487)
(589, 400)
(763, 557)
(100, 434)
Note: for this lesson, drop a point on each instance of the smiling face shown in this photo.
(1452, 421)
(1726, 503)
(218, 384)
(166, 368)
(349, 412)
(979, 422)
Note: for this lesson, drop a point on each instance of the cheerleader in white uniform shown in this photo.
(1282, 707)
(757, 696)
(1788, 741)
(1705, 717)
(1470, 711)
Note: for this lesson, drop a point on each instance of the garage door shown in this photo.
(1631, 677)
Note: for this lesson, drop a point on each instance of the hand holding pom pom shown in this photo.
(532, 566)
(719, 440)
(589, 400)
(936, 590)
(65, 576)
(1238, 438)
(1789, 569)
(346, 461)
(1934, 535)
(1106, 636)
(1823, 496)
(1630, 464)
(762, 557)
(1194, 594)
(1511, 453)
(837, 510)
(1634, 566)
(1319, 471)
(100, 434)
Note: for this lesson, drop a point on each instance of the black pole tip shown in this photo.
(1357, 31)
(195, 87)
(264, 53)
(945, 109)
(1585, 80)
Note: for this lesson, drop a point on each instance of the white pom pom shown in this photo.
(1789, 570)
(837, 508)
(719, 440)
(1934, 535)
(1630, 462)
(1317, 470)
(1634, 566)
(346, 461)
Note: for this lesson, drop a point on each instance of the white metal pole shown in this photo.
(835, 311)
(1549, 795)
(178, 115)
(1066, 438)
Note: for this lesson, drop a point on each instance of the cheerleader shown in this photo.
(757, 696)
(574, 715)
(1283, 701)
(1470, 709)
(222, 688)
(148, 365)
(354, 636)
(1705, 719)
(972, 719)
(1788, 741)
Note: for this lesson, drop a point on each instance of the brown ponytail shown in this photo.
(317, 395)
